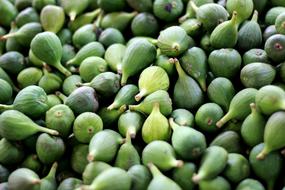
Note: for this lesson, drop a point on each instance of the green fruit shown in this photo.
(79, 158)
(84, 35)
(138, 55)
(50, 82)
(12, 62)
(213, 162)
(74, 7)
(244, 8)
(53, 100)
(52, 18)
(86, 125)
(111, 36)
(114, 56)
(21, 4)
(269, 31)
(92, 170)
(239, 107)
(24, 179)
(68, 52)
(8, 12)
(193, 27)
(69, 183)
(143, 21)
(167, 10)
(207, 116)
(33, 60)
(187, 142)
(183, 117)
(26, 16)
(237, 168)
(29, 76)
(49, 181)
(255, 55)
(111, 6)
(272, 14)
(6, 91)
(182, 175)
(141, 5)
(39, 4)
(161, 154)
(4, 76)
(250, 183)
(260, 5)
(163, 62)
(69, 84)
(11, 43)
(32, 162)
(130, 123)
(47, 47)
(65, 36)
(118, 20)
(229, 140)
(274, 47)
(225, 35)
(110, 117)
(11, 153)
(218, 183)
(173, 41)
(140, 176)
(269, 168)
(49, 149)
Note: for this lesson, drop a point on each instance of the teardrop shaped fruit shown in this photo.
(151, 79)
(4, 76)
(6, 91)
(255, 55)
(90, 49)
(213, 162)
(192, 26)
(244, 8)
(274, 47)
(239, 107)
(49, 149)
(52, 18)
(12, 62)
(49, 181)
(182, 175)
(111, 36)
(130, 123)
(86, 125)
(110, 117)
(187, 142)
(11, 153)
(114, 56)
(183, 117)
(218, 183)
(270, 99)
(50, 82)
(142, 21)
(29, 76)
(74, 7)
(11, 43)
(160, 181)
(237, 168)
(27, 15)
(138, 56)
(161, 154)
(252, 128)
(104, 146)
(161, 96)
(269, 168)
(9, 12)
(60, 118)
(32, 162)
(272, 14)
(229, 140)
(156, 126)
(69, 84)
(84, 35)
(280, 24)
(173, 41)
(79, 158)
(70, 183)
(225, 35)
(187, 93)
(221, 91)
(92, 170)
(250, 183)
(23, 178)
(140, 176)
(47, 47)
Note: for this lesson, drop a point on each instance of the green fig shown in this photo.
(9, 12)
(29, 76)
(110, 117)
(22, 4)
(255, 55)
(6, 91)
(167, 10)
(52, 18)
(243, 8)
(111, 36)
(12, 62)
(161, 154)
(53, 100)
(79, 158)
(269, 31)
(114, 56)
(50, 82)
(69, 184)
(83, 19)
(239, 107)
(4, 76)
(182, 175)
(26, 16)
(11, 153)
(68, 52)
(69, 84)
(229, 140)
(163, 62)
(32, 162)
(130, 123)
(192, 26)
(218, 183)
(109, 6)
(92, 170)
(74, 7)
(274, 47)
(141, 5)
(47, 47)
(142, 21)
(24, 179)
(49, 181)
(39, 4)
(65, 36)
(86, 125)
(34, 60)
(84, 35)
(183, 117)
(280, 24)
(11, 43)
(250, 183)
(140, 176)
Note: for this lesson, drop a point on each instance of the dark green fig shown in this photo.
(24, 179)
(280, 24)
(114, 56)
(86, 125)
(161, 154)
(141, 5)
(68, 52)
(110, 117)
(225, 35)
(255, 55)
(6, 91)
(270, 99)
(8, 13)
(252, 128)
(194, 62)
(70, 184)
(239, 107)
(173, 41)
(156, 126)
(141, 22)
(269, 168)
(274, 47)
(65, 36)
(111, 6)
(244, 8)
(130, 123)
(167, 10)
(49, 149)
(221, 91)
(160, 181)
(269, 31)
(39, 4)
(104, 146)
(237, 168)
(29, 76)
(74, 7)
(250, 35)
(12, 62)
(47, 47)
(187, 93)
(138, 55)
(11, 153)
(218, 183)
(213, 162)
(207, 116)
(60, 118)
(229, 140)
(52, 18)
(4, 76)
(182, 175)
(69, 84)
(32, 162)
(90, 49)
(273, 135)
(84, 35)
(4, 174)
(256, 75)
(79, 158)
(250, 183)
(82, 99)
(111, 36)
(50, 82)
(22, 4)
(118, 20)
(183, 117)
(163, 62)
(125, 96)
(11, 43)
(27, 15)
(49, 181)
(127, 155)
(272, 14)
(187, 142)
(140, 176)
(92, 170)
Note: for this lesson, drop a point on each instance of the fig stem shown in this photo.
(172, 124)
(62, 69)
(72, 15)
(52, 171)
(255, 16)
(141, 94)
(6, 107)
(153, 169)
(49, 131)
(223, 120)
